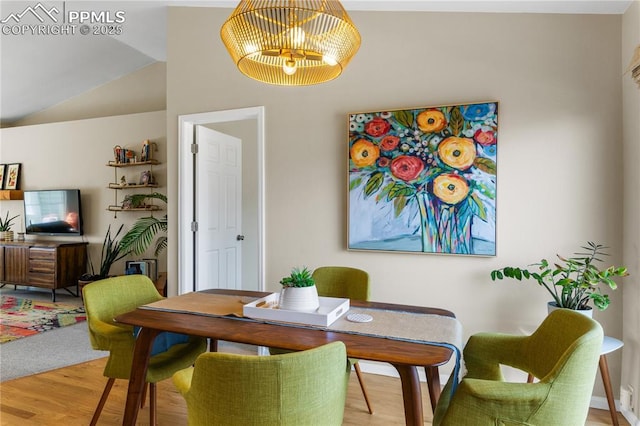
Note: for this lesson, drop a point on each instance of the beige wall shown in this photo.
(557, 78)
(74, 154)
(141, 91)
(631, 246)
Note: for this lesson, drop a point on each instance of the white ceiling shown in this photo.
(39, 71)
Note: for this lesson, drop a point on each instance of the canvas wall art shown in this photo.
(424, 180)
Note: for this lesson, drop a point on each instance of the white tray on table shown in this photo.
(331, 308)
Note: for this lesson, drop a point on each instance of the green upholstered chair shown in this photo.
(563, 353)
(297, 388)
(106, 299)
(348, 283)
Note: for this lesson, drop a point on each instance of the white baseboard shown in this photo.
(601, 403)
(631, 417)
(384, 369)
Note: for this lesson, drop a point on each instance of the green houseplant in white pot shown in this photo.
(299, 292)
(6, 234)
(573, 282)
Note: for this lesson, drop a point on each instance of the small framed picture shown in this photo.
(153, 268)
(146, 178)
(3, 167)
(136, 267)
(12, 179)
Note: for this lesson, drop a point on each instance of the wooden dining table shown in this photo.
(405, 356)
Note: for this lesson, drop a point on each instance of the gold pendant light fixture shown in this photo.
(290, 42)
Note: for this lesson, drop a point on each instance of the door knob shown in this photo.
(240, 237)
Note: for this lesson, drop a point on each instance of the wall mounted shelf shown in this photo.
(137, 163)
(125, 184)
(137, 209)
(11, 194)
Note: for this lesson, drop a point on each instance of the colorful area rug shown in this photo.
(23, 317)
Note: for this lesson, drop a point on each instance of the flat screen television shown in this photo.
(53, 212)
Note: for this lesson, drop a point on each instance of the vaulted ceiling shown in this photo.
(43, 69)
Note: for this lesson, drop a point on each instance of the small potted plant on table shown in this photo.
(299, 291)
(6, 234)
(574, 281)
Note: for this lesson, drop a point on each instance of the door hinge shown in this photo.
(194, 148)
(194, 226)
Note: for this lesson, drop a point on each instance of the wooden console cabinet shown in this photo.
(51, 265)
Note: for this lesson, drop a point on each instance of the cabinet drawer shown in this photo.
(41, 280)
(40, 253)
(44, 266)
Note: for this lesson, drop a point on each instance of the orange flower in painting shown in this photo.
(364, 153)
(458, 153)
(431, 121)
(450, 188)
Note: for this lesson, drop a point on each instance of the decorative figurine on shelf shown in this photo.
(130, 156)
(144, 153)
(127, 203)
(123, 181)
(145, 178)
(147, 150)
(117, 153)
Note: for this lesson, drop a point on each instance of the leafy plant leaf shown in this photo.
(481, 211)
(486, 165)
(373, 184)
(404, 117)
(355, 183)
(398, 205)
(456, 122)
(399, 190)
(142, 233)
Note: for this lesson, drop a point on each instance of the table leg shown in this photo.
(604, 372)
(213, 345)
(433, 384)
(137, 379)
(411, 394)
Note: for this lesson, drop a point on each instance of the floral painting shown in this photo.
(12, 178)
(424, 180)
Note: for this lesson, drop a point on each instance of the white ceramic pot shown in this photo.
(551, 306)
(301, 299)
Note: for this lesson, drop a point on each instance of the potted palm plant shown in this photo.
(6, 234)
(573, 282)
(144, 230)
(299, 291)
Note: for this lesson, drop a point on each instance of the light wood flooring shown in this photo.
(68, 396)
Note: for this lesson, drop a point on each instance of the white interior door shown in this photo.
(253, 143)
(218, 239)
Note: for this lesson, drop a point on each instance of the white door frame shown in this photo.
(186, 128)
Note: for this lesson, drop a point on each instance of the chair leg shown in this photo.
(103, 399)
(144, 395)
(364, 390)
(152, 404)
(604, 372)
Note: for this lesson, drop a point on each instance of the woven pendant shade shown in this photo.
(289, 42)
